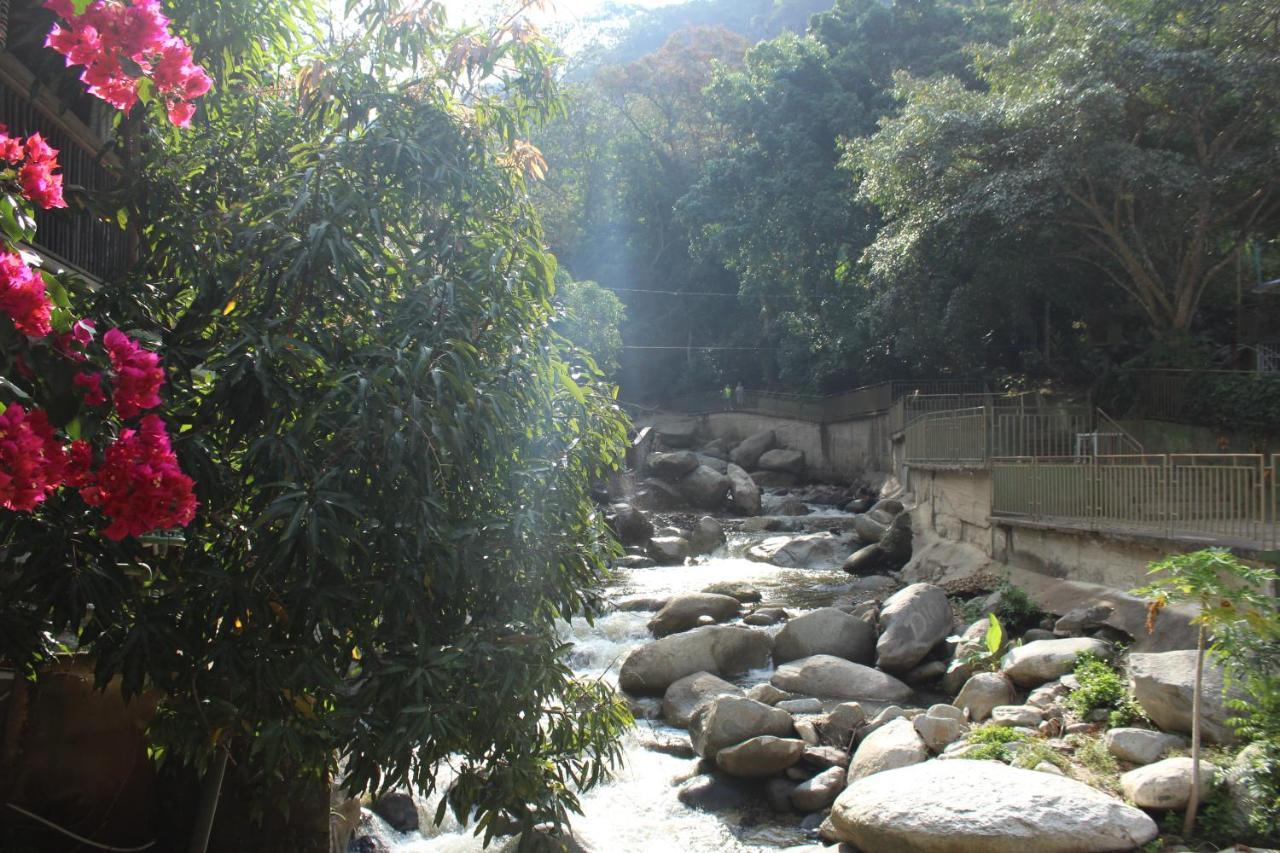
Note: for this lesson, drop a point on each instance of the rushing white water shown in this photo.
(638, 810)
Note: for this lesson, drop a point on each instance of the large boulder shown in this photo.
(630, 525)
(669, 550)
(716, 464)
(672, 466)
(686, 695)
(896, 543)
(656, 494)
(706, 536)
(751, 448)
(1045, 660)
(679, 434)
(893, 745)
(741, 590)
(398, 809)
(718, 649)
(759, 757)
(705, 488)
(984, 807)
(1140, 746)
(982, 693)
(744, 493)
(868, 528)
(808, 551)
(686, 610)
(912, 621)
(1166, 784)
(1163, 683)
(831, 677)
(826, 631)
(786, 461)
(726, 721)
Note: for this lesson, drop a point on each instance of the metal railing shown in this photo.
(846, 405)
(1182, 395)
(972, 436)
(1227, 499)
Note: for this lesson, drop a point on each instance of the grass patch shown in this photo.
(994, 743)
(1102, 688)
(1096, 765)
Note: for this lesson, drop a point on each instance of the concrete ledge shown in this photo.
(1251, 549)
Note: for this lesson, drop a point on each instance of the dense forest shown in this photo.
(1022, 191)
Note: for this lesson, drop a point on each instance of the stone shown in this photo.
(867, 560)
(767, 693)
(1162, 684)
(744, 493)
(807, 705)
(726, 721)
(1033, 634)
(631, 526)
(718, 649)
(858, 505)
(706, 536)
(938, 732)
(672, 466)
(716, 792)
(679, 433)
(642, 602)
(1140, 746)
(705, 488)
(913, 621)
(635, 561)
(841, 722)
(895, 544)
(398, 809)
(869, 530)
(1013, 716)
(777, 792)
(764, 617)
(748, 451)
(958, 672)
(774, 479)
(983, 692)
(686, 695)
(826, 631)
(658, 495)
(893, 712)
(760, 756)
(1083, 620)
(984, 807)
(925, 673)
(807, 729)
(720, 466)
(683, 611)
(665, 741)
(831, 677)
(888, 506)
(786, 461)
(893, 745)
(1045, 660)
(819, 792)
(1048, 695)
(1166, 784)
(807, 551)
(745, 593)
(669, 550)
(826, 756)
(671, 530)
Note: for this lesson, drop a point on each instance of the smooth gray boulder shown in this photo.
(938, 731)
(657, 494)
(684, 611)
(741, 590)
(826, 631)
(893, 745)
(912, 621)
(630, 525)
(669, 550)
(1166, 784)
(744, 493)
(1045, 660)
(1017, 716)
(672, 466)
(705, 488)
(722, 650)
(641, 602)
(1162, 683)
(983, 692)
(782, 460)
(829, 677)
(726, 721)
(748, 452)
(706, 536)
(819, 792)
(760, 756)
(684, 697)
(869, 529)
(720, 466)
(679, 433)
(841, 722)
(984, 807)
(775, 479)
(807, 551)
(1140, 746)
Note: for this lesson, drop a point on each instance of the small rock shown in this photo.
(682, 612)
(1045, 660)
(766, 616)
(745, 593)
(1014, 716)
(634, 603)
(716, 793)
(669, 550)
(840, 724)
(926, 673)
(672, 466)
(686, 695)
(1083, 620)
(939, 732)
(768, 694)
(819, 792)
(398, 809)
(1046, 767)
(982, 692)
(806, 705)
(808, 730)
(760, 756)
(729, 720)
(826, 756)
(893, 745)
(1140, 746)
(706, 536)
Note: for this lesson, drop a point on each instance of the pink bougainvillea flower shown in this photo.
(79, 471)
(137, 374)
(22, 296)
(32, 462)
(90, 385)
(11, 149)
(139, 485)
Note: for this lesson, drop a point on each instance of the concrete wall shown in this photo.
(853, 451)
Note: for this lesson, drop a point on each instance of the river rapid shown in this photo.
(639, 811)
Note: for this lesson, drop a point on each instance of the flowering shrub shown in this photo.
(127, 52)
(138, 485)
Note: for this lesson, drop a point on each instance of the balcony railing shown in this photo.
(971, 437)
(846, 405)
(72, 237)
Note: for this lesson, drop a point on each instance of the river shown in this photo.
(638, 811)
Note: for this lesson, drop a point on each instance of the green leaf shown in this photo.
(995, 634)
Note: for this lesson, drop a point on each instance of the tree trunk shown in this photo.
(1189, 821)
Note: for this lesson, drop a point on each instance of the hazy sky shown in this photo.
(561, 12)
